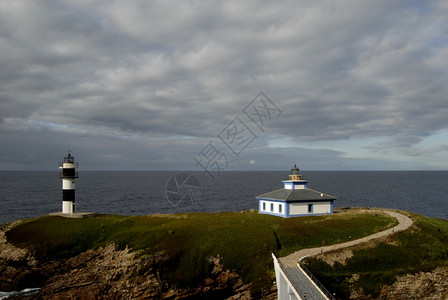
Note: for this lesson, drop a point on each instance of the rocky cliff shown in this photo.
(108, 273)
(18, 268)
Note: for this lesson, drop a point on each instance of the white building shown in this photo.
(295, 199)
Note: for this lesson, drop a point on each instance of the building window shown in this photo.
(272, 206)
(279, 208)
(264, 206)
(310, 208)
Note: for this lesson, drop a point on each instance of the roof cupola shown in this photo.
(295, 174)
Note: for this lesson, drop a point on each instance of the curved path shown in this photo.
(303, 284)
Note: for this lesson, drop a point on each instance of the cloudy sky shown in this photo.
(174, 85)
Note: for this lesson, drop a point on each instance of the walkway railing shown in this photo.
(314, 279)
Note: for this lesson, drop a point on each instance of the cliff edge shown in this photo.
(190, 256)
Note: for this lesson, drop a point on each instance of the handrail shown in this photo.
(314, 279)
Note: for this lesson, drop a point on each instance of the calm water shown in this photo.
(30, 194)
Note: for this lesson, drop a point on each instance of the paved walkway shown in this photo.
(301, 281)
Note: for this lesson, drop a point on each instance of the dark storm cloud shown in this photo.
(152, 79)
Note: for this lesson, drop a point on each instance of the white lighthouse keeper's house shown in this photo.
(68, 175)
(295, 199)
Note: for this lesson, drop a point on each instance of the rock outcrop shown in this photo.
(18, 268)
(423, 285)
(105, 272)
(120, 274)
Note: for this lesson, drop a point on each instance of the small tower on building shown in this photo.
(295, 180)
(68, 175)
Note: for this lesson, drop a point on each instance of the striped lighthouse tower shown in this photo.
(68, 176)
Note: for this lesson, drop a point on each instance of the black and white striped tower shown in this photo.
(68, 176)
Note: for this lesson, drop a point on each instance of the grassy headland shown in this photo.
(243, 240)
(422, 248)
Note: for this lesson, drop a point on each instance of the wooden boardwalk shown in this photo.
(303, 286)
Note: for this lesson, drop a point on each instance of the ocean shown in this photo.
(35, 193)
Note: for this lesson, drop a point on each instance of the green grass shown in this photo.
(421, 249)
(244, 240)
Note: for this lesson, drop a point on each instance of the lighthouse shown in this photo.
(295, 199)
(68, 175)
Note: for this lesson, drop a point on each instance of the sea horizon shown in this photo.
(225, 171)
(25, 194)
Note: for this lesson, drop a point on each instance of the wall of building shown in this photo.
(303, 208)
(272, 207)
(295, 185)
(283, 209)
